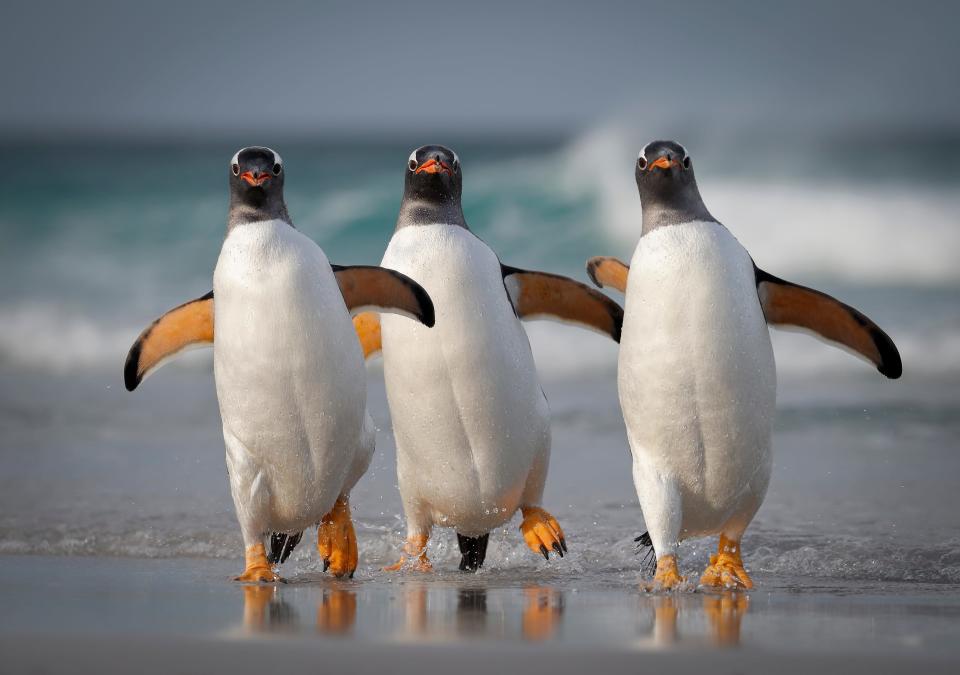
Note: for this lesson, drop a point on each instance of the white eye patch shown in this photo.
(276, 157)
(413, 156)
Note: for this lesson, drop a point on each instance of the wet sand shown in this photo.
(83, 614)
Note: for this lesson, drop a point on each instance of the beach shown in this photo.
(118, 539)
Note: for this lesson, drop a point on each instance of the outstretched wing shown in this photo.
(787, 304)
(185, 327)
(190, 325)
(538, 295)
(368, 288)
(610, 272)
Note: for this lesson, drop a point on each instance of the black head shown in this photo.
(667, 185)
(433, 173)
(432, 186)
(256, 186)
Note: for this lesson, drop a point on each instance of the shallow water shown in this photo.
(123, 599)
(863, 489)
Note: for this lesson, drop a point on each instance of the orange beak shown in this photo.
(661, 163)
(255, 180)
(434, 166)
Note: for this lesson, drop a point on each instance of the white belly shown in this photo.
(290, 377)
(696, 374)
(469, 416)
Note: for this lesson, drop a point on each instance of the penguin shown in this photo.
(288, 367)
(696, 374)
(470, 418)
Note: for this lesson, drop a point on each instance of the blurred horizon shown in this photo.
(545, 69)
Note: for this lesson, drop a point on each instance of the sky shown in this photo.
(155, 68)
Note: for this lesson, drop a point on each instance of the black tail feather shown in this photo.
(473, 551)
(649, 562)
(281, 546)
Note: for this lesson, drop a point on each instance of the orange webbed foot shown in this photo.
(258, 568)
(542, 532)
(667, 577)
(414, 556)
(726, 568)
(337, 540)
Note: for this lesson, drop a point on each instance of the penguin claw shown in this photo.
(542, 532)
(337, 540)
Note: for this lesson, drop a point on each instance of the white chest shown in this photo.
(696, 372)
(285, 353)
(469, 416)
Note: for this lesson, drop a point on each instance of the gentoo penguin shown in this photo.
(288, 368)
(469, 416)
(696, 372)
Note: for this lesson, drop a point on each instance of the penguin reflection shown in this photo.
(724, 613)
(540, 615)
(542, 612)
(265, 611)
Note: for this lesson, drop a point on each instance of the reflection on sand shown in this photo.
(723, 614)
(423, 612)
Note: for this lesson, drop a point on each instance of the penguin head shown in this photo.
(256, 178)
(663, 168)
(433, 175)
(667, 185)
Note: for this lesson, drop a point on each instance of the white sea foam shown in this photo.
(47, 337)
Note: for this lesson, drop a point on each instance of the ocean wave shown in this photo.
(47, 337)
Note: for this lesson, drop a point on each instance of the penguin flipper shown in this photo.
(539, 295)
(788, 304)
(187, 326)
(370, 288)
(607, 271)
(367, 326)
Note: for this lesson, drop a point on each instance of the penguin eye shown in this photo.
(642, 163)
(686, 162)
(236, 169)
(412, 164)
(277, 169)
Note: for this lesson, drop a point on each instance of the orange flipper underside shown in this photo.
(608, 272)
(542, 295)
(181, 327)
(367, 326)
